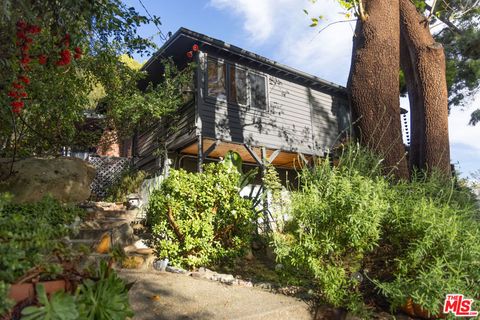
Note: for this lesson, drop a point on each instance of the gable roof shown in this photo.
(182, 40)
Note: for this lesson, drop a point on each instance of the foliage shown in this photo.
(5, 303)
(60, 306)
(416, 239)
(336, 220)
(30, 234)
(105, 298)
(130, 182)
(200, 218)
(103, 35)
(432, 238)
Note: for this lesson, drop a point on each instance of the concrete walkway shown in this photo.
(169, 296)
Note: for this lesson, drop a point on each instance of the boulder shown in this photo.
(65, 179)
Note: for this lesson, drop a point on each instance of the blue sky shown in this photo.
(278, 29)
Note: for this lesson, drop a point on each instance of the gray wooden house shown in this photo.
(244, 102)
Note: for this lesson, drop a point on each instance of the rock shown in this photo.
(249, 255)
(144, 251)
(225, 278)
(149, 260)
(270, 254)
(105, 243)
(122, 235)
(133, 262)
(204, 270)
(176, 270)
(244, 283)
(140, 244)
(129, 249)
(350, 316)
(65, 179)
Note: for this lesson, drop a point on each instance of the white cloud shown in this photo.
(281, 29)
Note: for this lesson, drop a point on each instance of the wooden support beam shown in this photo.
(305, 161)
(274, 155)
(211, 148)
(253, 154)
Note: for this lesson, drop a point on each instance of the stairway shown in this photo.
(111, 231)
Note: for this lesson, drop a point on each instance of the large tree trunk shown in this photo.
(417, 120)
(374, 84)
(427, 89)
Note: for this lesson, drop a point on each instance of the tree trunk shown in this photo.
(417, 120)
(373, 84)
(429, 103)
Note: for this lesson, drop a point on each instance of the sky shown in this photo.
(279, 30)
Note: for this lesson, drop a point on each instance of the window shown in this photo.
(258, 92)
(216, 79)
(238, 85)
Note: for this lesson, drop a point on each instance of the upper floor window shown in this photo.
(217, 72)
(238, 85)
(258, 91)
(235, 84)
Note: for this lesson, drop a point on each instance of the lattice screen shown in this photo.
(108, 171)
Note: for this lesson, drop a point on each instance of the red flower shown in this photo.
(21, 35)
(12, 94)
(23, 94)
(42, 59)
(190, 54)
(195, 48)
(77, 56)
(78, 50)
(17, 104)
(25, 60)
(21, 24)
(66, 40)
(17, 85)
(65, 57)
(28, 40)
(24, 79)
(25, 48)
(33, 29)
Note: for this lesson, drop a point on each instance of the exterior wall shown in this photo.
(150, 142)
(297, 118)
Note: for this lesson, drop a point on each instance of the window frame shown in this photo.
(227, 99)
(213, 98)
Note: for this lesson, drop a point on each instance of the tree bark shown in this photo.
(430, 147)
(373, 84)
(417, 120)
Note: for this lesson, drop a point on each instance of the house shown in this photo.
(244, 102)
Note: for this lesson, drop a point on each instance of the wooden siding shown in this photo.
(297, 119)
(148, 140)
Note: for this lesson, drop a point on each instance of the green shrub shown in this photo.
(432, 232)
(200, 218)
(104, 298)
(417, 239)
(130, 182)
(30, 237)
(335, 221)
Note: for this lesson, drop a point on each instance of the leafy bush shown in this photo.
(335, 221)
(417, 239)
(432, 234)
(104, 298)
(200, 218)
(130, 182)
(29, 237)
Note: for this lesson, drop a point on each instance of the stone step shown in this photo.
(89, 234)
